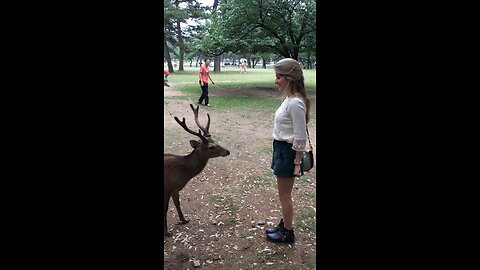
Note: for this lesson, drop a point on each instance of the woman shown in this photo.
(204, 75)
(289, 141)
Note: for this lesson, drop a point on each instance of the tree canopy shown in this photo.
(284, 26)
(254, 28)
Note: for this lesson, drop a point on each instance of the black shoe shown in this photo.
(282, 236)
(276, 228)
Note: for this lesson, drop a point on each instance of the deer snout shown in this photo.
(227, 153)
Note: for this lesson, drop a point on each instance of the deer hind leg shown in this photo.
(176, 201)
(166, 199)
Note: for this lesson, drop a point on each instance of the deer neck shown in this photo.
(196, 161)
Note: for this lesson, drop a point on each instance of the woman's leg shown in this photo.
(285, 186)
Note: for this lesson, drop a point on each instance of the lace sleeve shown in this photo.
(299, 145)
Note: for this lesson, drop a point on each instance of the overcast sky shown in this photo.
(206, 2)
(203, 3)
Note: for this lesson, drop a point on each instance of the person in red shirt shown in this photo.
(165, 78)
(204, 75)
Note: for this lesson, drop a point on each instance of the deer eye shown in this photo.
(210, 147)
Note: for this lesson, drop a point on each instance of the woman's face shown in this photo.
(281, 81)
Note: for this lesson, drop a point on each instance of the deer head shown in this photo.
(206, 144)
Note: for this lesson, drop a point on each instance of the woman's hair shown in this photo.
(292, 71)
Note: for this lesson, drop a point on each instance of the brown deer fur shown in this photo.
(178, 170)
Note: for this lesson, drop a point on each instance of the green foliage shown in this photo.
(262, 25)
(176, 27)
(251, 29)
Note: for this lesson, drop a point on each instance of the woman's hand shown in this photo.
(296, 170)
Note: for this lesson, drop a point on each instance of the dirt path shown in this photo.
(225, 202)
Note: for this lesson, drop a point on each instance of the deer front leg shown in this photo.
(166, 199)
(176, 201)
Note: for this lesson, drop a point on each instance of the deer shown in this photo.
(179, 170)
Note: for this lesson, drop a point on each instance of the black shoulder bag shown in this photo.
(307, 156)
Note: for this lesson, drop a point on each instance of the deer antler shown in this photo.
(206, 133)
(199, 134)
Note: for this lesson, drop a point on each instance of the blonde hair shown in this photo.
(292, 71)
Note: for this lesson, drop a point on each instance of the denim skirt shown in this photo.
(282, 160)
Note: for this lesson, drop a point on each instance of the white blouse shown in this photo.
(290, 123)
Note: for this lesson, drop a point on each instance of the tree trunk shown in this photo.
(283, 50)
(198, 59)
(296, 50)
(255, 61)
(309, 62)
(216, 64)
(264, 64)
(181, 47)
(166, 55)
(218, 59)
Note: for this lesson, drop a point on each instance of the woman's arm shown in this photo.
(297, 112)
(297, 162)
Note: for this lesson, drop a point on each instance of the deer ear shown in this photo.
(194, 144)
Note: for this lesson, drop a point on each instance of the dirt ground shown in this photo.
(232, 201)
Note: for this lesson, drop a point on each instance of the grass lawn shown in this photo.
(187, 82)
(232, 76)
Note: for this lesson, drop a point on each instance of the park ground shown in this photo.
(232, 201)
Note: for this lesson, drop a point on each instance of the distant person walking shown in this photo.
(243, 66)
(165, 78)
(204, 75)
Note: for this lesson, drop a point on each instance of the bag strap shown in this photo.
(308, 136)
